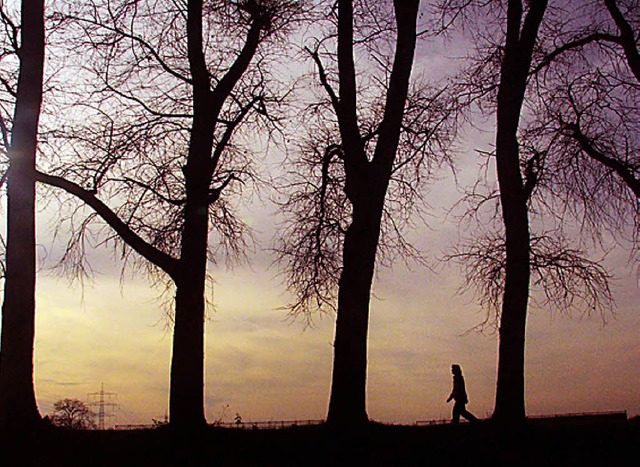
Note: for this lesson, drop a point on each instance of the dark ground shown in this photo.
(537, 443)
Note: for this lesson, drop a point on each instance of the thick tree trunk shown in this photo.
(186, 401)
(521, 37)
(510, 402)
(18, 407)
(187, 363)
(510, 394)
(347, 404)
(366, 187)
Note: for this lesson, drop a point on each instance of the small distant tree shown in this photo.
(73, 414)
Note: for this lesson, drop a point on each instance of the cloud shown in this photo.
(267, 368)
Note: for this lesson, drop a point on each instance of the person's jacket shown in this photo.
(459, 393)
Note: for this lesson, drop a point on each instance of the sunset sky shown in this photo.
(266, 367)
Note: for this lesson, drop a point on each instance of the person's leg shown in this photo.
(468, 415)
(457, 410)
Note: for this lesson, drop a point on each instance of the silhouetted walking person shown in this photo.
(459, 395)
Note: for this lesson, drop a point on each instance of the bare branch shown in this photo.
(623, 170)
(139, 40)
(627, 37)
(574, 45)
(160, 259)
(564, 278)
(322, 75)
(5, 133)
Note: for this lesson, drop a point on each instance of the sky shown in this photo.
(266, 367)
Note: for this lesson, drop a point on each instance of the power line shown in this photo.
(102, 400)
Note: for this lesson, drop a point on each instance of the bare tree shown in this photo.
(179, 86)
(73, 414)
(360, 171)
(515, 189)
(534, 177)
(563, 279)
(587, 119)
(18, 407)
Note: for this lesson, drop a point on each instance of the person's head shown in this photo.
(455, 369)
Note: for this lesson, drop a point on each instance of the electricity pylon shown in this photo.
(102, 400)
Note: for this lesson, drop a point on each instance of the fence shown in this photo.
(583, 416)
(562, 417)
(267, 425)
(277, 424)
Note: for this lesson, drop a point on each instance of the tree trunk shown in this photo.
(510, 403)
(18, 407)
(366, 187)
(347, 404)
(186, 401)
(510, 396)
(521, 37)
(187, 363)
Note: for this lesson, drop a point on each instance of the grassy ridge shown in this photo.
(533, 444)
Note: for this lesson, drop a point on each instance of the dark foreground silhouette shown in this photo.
(536, 443)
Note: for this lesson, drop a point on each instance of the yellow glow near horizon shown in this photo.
(265, 368)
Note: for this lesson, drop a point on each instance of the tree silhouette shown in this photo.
(508, 78)
(514, 194)
(18, 408)
(587, 121)
(360, 170)
(178, 87)
(73, 414)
